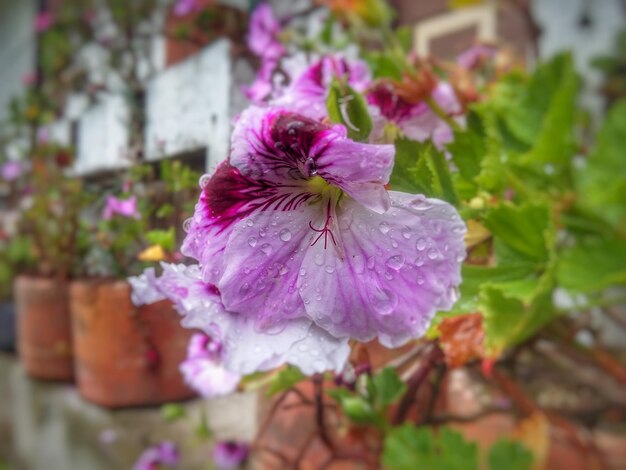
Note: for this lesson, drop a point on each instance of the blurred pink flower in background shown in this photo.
(29, 79)
(228, 455)
(164, 453)
(11, 170)
(185, 7)
(44, 21)
(121, 207)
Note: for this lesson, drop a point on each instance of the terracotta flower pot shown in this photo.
(44, 337)
(126, 356)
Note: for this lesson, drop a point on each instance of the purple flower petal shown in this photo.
(122, 207)
(228, 455)
(245, 348)
(263, 34)
(203, 370)
(308, 92)
(397, 270)
(164, 453)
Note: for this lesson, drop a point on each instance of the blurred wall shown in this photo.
(17, 47)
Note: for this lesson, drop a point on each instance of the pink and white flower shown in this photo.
(11, 170)
(415, 121)
(298, 224)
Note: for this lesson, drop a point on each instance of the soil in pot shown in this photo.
(126, 355)
(44, 334)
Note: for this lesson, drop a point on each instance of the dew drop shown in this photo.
(204, 180)
(285, 235)
(432, 254)
(302, 272)
(329, 269)
(421, 244)
(282, 270)
(252, 241)
(395, 262)
(309, 167)
(266, 249)
(319, 259)
(371, 262)
(383, 227)
(420, 279)
(384, 301)
(262, 232)
(187, 224)
(406, 233)
(249, 223)
(460, 257)
(244, 289)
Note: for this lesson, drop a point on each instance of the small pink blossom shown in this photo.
(476, 55)
(263, 34)
(164, 453)
(121, 207)
(44, 21)
(29, 79)
(11, 170)
(229, 455)
(185, 7)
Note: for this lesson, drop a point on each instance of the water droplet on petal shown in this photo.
(204, 180)
(420, 204)
(266, 249)
(420, 279)
(419, 261)
(319, 259)
(187, 224)
(329, 269)
(432, 253)
(282, 270)
(249, 223)
(421, 244)
(302, 272)
(252, 241)
(285, 235)
(406, 233)
(383, 227)
(244, 289)
(395, 262)
(262, 232)
(371, 262)
(309, 167)
(383, 301)
(460, 257)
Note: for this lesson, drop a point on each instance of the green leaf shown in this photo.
(359, 410)
(602, 183)
(172, 411)
(346, 106)
(388, 387)
(409, 448)
(524, 231)
(421, 169)
(509, 455)
(510, 320)
(166, 239)
(593, 265)
(284, 380)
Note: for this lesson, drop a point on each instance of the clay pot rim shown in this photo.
(40, 280)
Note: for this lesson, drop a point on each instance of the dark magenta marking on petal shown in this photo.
(230, 196)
